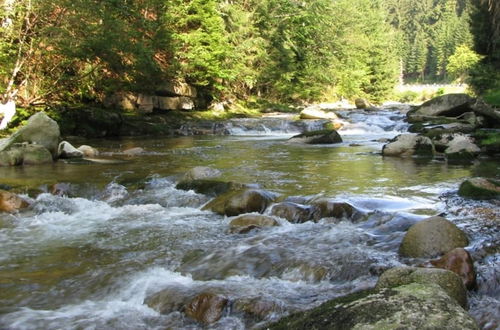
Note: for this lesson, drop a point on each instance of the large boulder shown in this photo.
(480, 188)
(412, 306)
(409, 144)
(176, 88)
(449, 105)
(10, 202)
(461, 147)
(241, 201)
(206, 307)
(327, 136)
(40, 129)
(361, 103)
(450, 282)
(25, 154)
(66, 150)
(432, 237)
(460, 262)
(317, 113)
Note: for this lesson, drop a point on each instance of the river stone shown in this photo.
(412, 306)
(250, 221)
(325, 208)
(40, 129)
(460, 262)
(450, 282)
(461, 147)
(176, 88)
(293, 212)
(432, 237)
(210, 187)
(241, 201)
(134, 151)
(450, 105)
(172, 298)
(361, 103)
(206, 308)
(327, 136)
(34, 154)
(259, 308)
(201, 172)
(480, 188)
(66, 150)
(88, 151)
(10, 202)
(11, 157)
(317, 113)
(409, 144)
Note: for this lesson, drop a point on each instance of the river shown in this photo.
(89, 259)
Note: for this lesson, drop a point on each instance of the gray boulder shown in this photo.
(450, 282)
(409, 144)
(449, 105)
(317, 113)
(40, 129)
(25, 154)
(412, 306)
(432, 237)
(461, 147)
(66, 150)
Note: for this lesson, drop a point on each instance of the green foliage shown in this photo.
(461, 62)
(493, 97)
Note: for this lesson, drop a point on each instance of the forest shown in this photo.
(81, 51)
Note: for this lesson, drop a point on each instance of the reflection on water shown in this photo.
(124, 233)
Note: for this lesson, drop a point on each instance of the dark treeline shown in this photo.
(284, 50)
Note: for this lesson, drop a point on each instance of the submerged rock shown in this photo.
(293, 212)
(10, 202)
(259, 308)
(432, 237)
(66, 150)
(201, 172)
(412, 306)
(206, 308)
(210, 187)
(327, 136)
(247, 222)
(480, 188)
(241, 201)
(409, 145)
(460, 262)
(447, 280)
(134, 151)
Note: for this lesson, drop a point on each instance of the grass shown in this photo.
(493, 98)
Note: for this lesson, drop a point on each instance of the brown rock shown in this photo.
(206, 308)
(460, 262)
(10, 202)
(293, 212)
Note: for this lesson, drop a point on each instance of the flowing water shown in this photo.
(89, 259)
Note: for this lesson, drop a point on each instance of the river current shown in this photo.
(121, 232)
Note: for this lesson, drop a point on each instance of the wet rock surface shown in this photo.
(241, 201)
(460, 262)
(432, 237)
(412, 306)
(480, 188)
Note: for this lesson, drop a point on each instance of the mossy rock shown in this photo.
(326, 136)
(488, 140)
(412, 306)
(241, 201)
(480, 188)
(209, 187)
(432, 237)
(450, 282)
